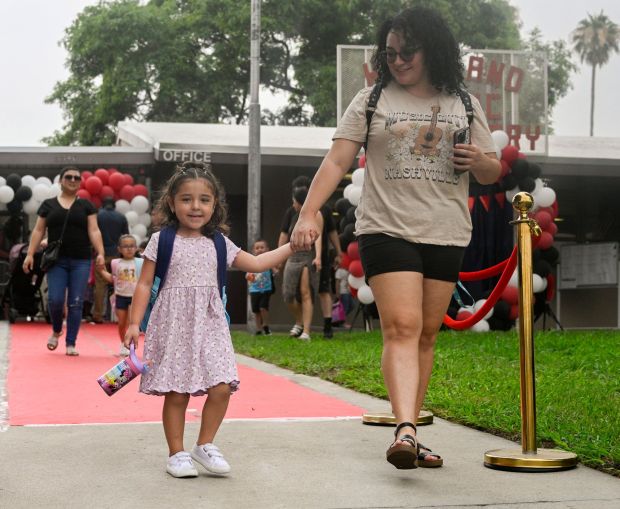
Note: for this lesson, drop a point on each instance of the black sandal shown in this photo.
(400, 455)
(423, 453)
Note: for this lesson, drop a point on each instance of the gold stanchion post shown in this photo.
(529, 458)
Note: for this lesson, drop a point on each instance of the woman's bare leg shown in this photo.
(307, 306)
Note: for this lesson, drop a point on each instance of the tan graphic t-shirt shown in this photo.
(411, 190)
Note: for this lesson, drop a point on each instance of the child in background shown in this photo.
(345, 299)
(261, 288)
(188, 338)
(124, 276)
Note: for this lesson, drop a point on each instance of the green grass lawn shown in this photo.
(476, 382)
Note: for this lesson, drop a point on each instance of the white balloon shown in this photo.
(145, 219)
(2, 181)
(31, 206)
(139, 230)
(546, 197)
(514, 280)
(500, 138)
(56, 179)
(364, 295)
(40, 191)
(510, 194)
(347, 190)
(469, 309)
(481, 326)
(45, 181)
(356, 282)
(539, 185)
(545, 284)
(132, 217)
(138, 239)
(354, 195)
(140, 204)
(479, 304)
(537, 283)
(498, 153)
(358, 177)
(122, 206)
(53, 190)
(29, 181)
(6, 194)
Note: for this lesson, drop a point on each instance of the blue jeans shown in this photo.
(67, 274)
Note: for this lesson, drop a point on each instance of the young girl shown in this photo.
(261, 288)
(125, 274)
(187, 338)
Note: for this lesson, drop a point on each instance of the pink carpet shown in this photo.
(50, 388)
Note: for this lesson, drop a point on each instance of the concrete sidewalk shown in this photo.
(323, 463)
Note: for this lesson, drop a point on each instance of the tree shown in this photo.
(594, 39)
(188, 60)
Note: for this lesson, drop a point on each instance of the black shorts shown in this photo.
(123, 302)
(382, 253)
(259, 300)
(325, 276)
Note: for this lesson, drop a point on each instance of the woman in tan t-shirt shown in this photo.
(413, 222)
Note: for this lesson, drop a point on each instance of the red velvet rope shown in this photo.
(509, 267)
(485, 273)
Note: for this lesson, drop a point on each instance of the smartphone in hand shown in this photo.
(462, 136)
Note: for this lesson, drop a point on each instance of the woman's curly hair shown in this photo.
(422, 26)
(190, 170)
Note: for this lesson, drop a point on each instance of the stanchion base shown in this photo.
(543, 460)
(388, 419)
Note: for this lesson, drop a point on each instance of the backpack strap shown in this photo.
(466, 100)
(371, 108)
(164, 253)
(220, 250)
(138, 262)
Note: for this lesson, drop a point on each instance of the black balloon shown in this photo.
(343, 243)
(501, 310)
(342, 205)
(350, 215)
(527, 184)
(520, 168)
(542, 267)
(14, 181)
(535, 170)
(24, 193)
(347, 233)
(552, 255)
(508, 182)
(342, 224)
(14, 206)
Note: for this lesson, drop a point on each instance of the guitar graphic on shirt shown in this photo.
(428, 137)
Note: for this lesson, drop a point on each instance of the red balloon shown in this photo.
(141, 190)
(521, 155)
(128, 179)
(112, 171)
(355, 268)
(103, 174)
(127, 192)
(86, 175)
(552, 229)
(463, 315)
(549, 210)
(510, 154)
(543, 218)
(84, 194)
(96, 201)
(505, 169)
(106, 191)
(546, 240)
(511, 295)
(353, 292)
(93, 185)
(514, 312)
(116, 181)
(353, 251)
(362, 161)
(345, 261)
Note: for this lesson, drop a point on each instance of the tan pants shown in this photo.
(101, 291)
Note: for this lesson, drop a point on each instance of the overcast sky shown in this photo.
(32, 62)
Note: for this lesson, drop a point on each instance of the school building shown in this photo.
(584, 172)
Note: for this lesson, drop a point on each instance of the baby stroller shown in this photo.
(22, 296)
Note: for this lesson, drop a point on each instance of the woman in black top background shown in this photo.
(69, 275)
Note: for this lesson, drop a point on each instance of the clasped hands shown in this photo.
(304, 234)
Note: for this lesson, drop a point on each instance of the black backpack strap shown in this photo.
(371, 108)
(164, 253)
(466, 100)
(220, 250)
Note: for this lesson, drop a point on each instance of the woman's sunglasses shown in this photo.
(75, 178)
(405, 54)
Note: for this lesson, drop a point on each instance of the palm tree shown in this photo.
(594, 39)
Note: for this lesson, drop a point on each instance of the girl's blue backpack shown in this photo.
(164, 254)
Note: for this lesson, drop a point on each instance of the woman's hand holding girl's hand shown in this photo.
(317, 263)
(132, 335)
(28, 263)
(304, 234)
(467, 157)
(100, 262)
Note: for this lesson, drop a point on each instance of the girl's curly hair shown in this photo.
(422, 26)
(190, 170)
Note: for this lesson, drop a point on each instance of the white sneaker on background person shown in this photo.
(210, 457)
(181, 465)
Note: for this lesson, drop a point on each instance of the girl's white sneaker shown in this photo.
(181, 465)
(210, 457)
